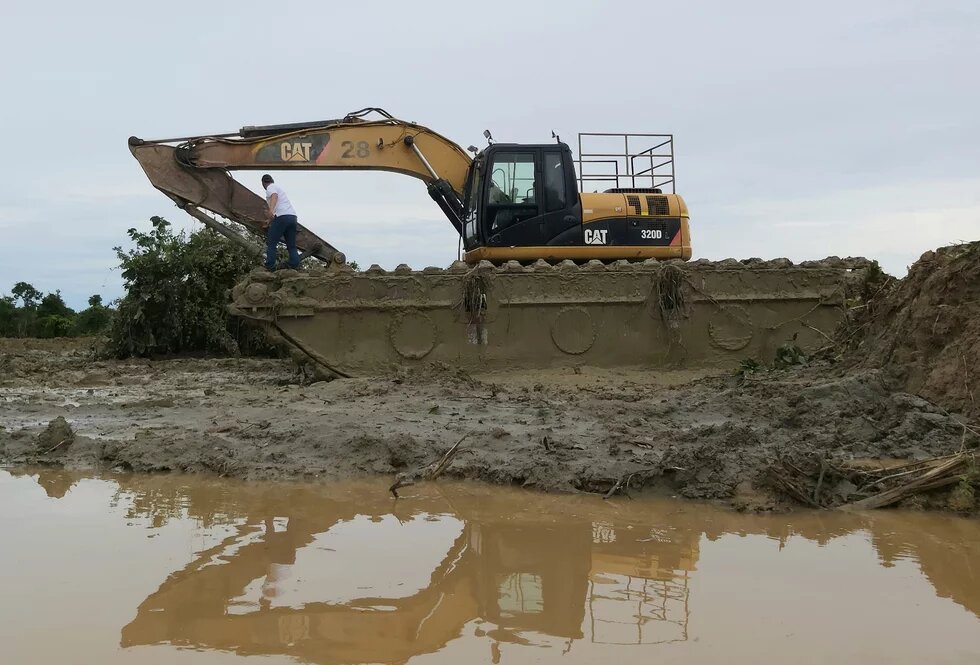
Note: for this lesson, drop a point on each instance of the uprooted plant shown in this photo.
(472, 304)
(176, 295)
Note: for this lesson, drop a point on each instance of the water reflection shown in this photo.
(514, 570)
(351, 576)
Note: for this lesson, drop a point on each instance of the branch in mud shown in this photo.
(615, 488)
(429, 472)
(784, 481)
(621, 486)
(810, 483)
(938, 473)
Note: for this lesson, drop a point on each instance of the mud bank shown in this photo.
(897, 384)
(925, 330)
(702, 437)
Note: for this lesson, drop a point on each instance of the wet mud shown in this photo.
(574, 430)
(896, 383)
(465, 572)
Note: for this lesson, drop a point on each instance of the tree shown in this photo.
(24, 317)
(93, 320)
(8, 317)
(26, 293)
(52, 318)
(54, 305)
(176, 294)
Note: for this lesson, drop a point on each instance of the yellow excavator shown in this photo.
(551, 276)
(509, 202)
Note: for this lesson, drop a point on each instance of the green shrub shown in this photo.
(177, 295)
(93, 320)
(54, 325)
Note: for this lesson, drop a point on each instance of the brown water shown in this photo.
(171, 569)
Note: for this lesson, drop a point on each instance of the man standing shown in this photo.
(280, 223)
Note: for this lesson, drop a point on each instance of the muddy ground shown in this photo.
(898, 383)
(702, 437)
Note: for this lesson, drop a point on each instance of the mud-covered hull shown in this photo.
(672, 314)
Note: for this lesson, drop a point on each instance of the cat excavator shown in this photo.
(550, 276)
(510, 202)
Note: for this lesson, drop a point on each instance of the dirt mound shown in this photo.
(434, 374)
(924, 331)
(55, 438)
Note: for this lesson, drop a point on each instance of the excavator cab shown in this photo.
(522, 202)
(522, 196)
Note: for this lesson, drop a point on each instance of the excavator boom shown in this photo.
(198, 190)
(193, 171)
(376, 145)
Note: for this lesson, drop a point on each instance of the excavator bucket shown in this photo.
(657, 315)
(212, 189)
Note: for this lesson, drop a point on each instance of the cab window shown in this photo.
(512, 179)
(554, 182)
(474, 199)
(511, 192)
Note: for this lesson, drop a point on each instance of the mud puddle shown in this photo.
(193, 569)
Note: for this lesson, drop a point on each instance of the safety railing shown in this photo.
(630, 610)
(625, 161)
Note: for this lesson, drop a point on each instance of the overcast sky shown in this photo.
(802, 129)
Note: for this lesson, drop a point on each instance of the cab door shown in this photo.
(561, 210)
(512, 198)
(528, 198)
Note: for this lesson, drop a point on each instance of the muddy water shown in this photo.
(170, 569)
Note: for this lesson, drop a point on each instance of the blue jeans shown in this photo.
(282, 226)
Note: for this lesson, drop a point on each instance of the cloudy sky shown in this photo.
(802, 129)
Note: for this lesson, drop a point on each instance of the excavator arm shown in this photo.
(193, 171)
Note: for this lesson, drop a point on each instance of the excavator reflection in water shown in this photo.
(513, 572)
(513, 568)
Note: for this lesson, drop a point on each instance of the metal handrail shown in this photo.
(655, 171)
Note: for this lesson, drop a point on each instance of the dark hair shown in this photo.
(267, 178)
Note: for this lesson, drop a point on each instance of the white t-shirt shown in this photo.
(283, 206)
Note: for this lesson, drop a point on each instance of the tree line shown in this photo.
(176, 293)
(27, 312)
(175, 299)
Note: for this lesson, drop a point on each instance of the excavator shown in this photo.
(551, 276)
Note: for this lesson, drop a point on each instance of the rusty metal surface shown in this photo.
(652, 314)
(216, 191)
